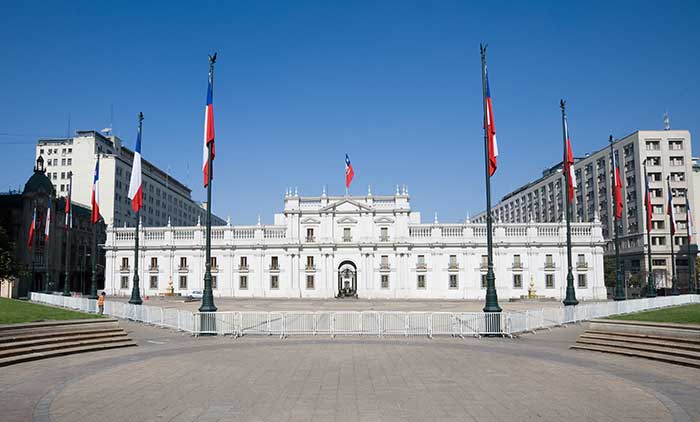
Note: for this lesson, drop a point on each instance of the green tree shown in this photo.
(8, 262)
(609, 271)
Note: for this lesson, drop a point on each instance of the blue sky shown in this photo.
(396, 85)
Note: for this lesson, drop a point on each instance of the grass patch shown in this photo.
(686, 314)
(16, 311)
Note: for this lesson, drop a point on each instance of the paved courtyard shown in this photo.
(242, 304)
(175, 377)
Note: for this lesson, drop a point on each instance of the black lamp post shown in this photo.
(68, 229)
(570, 299)
(651, 283)
(208, 294)
(135, 292)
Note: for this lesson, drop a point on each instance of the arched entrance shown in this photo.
(347, 279)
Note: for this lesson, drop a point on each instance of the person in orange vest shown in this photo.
(101, 302)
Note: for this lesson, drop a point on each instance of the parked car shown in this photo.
(197, 294)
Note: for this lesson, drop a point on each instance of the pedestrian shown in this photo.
(101, 302)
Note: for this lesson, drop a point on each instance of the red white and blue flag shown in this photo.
(32, 228)
(568, 164)
(647, 200)
(47, 227)
(68, 223)
(135, 190)
(349, 172)
(669, 210)
(617, 188)
(689, 219)
(490, 127)
(208, 134)
(95, 217)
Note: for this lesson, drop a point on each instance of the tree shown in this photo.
(9, 266)
(609, 271)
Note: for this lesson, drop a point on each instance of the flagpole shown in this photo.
(47, 249)
(619, 292)
(69, 219)
(135, 292)
(570, 299)
(651, 283)
(491, 304)
(692, 251)
(674, 278)
(93, 275)
(208, 294)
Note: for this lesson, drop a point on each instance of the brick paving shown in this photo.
(175, 377)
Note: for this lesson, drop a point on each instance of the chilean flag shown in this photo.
(689, 218)
(68, 224)
(568, 163)
(618, 189)
(96, 194)
(349, 172)
(669, 211)
(135, 191)
(47, 228)
(32, 228)
(647, 200)
(490, 127)
(208, 134)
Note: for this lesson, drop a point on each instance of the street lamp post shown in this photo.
(135, 292)
(570, 299)
(651, 283)
(208, 295)
(68, 229)
(619, 293)
(491, 294)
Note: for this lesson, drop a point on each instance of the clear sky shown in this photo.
(396, 85)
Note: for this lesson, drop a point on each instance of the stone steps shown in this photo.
(670, 343)
(29, 342)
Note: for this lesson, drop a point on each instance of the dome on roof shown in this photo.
(39, 182)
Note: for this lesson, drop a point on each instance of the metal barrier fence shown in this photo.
(376, 323)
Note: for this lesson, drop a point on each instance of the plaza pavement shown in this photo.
(175, 377)
(270, 304)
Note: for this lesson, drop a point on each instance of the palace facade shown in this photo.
(358, 246)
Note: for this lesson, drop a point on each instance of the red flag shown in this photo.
(95, 217)
(490, 127)
(349, 172)
(208, 134)
(32, 229)
(618, 189)
(569, 164)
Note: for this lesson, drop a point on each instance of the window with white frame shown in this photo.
(243, 282)
(453, 281)
(154, 282)
(274, 282)
(517, 281)
(549, 281)
(125, 282)
(385, 281)
(183, 282)
(309, 281)
(582, 281)
(421, 281)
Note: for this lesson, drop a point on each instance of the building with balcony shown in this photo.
(667, 154)
(164, 197)
(359, 246)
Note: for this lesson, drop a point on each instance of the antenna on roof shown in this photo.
(667, 121)
(108, 130)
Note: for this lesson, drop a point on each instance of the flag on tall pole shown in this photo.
(490, 127)
(32, 228)
(208, 132)
(68, 224)
(135, 190)
(647, 201)
(669, 210)
(689, 219)
(47, 227)
(568, 163)
(618, 189)
(96, 194)
(349, 172)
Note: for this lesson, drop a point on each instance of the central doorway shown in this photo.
(347, 280)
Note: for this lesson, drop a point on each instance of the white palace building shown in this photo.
(358, 246)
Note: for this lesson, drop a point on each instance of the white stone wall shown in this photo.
(365, 216)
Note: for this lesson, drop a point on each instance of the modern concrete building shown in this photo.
(365, 246)
(667, 154)
(165, 198)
